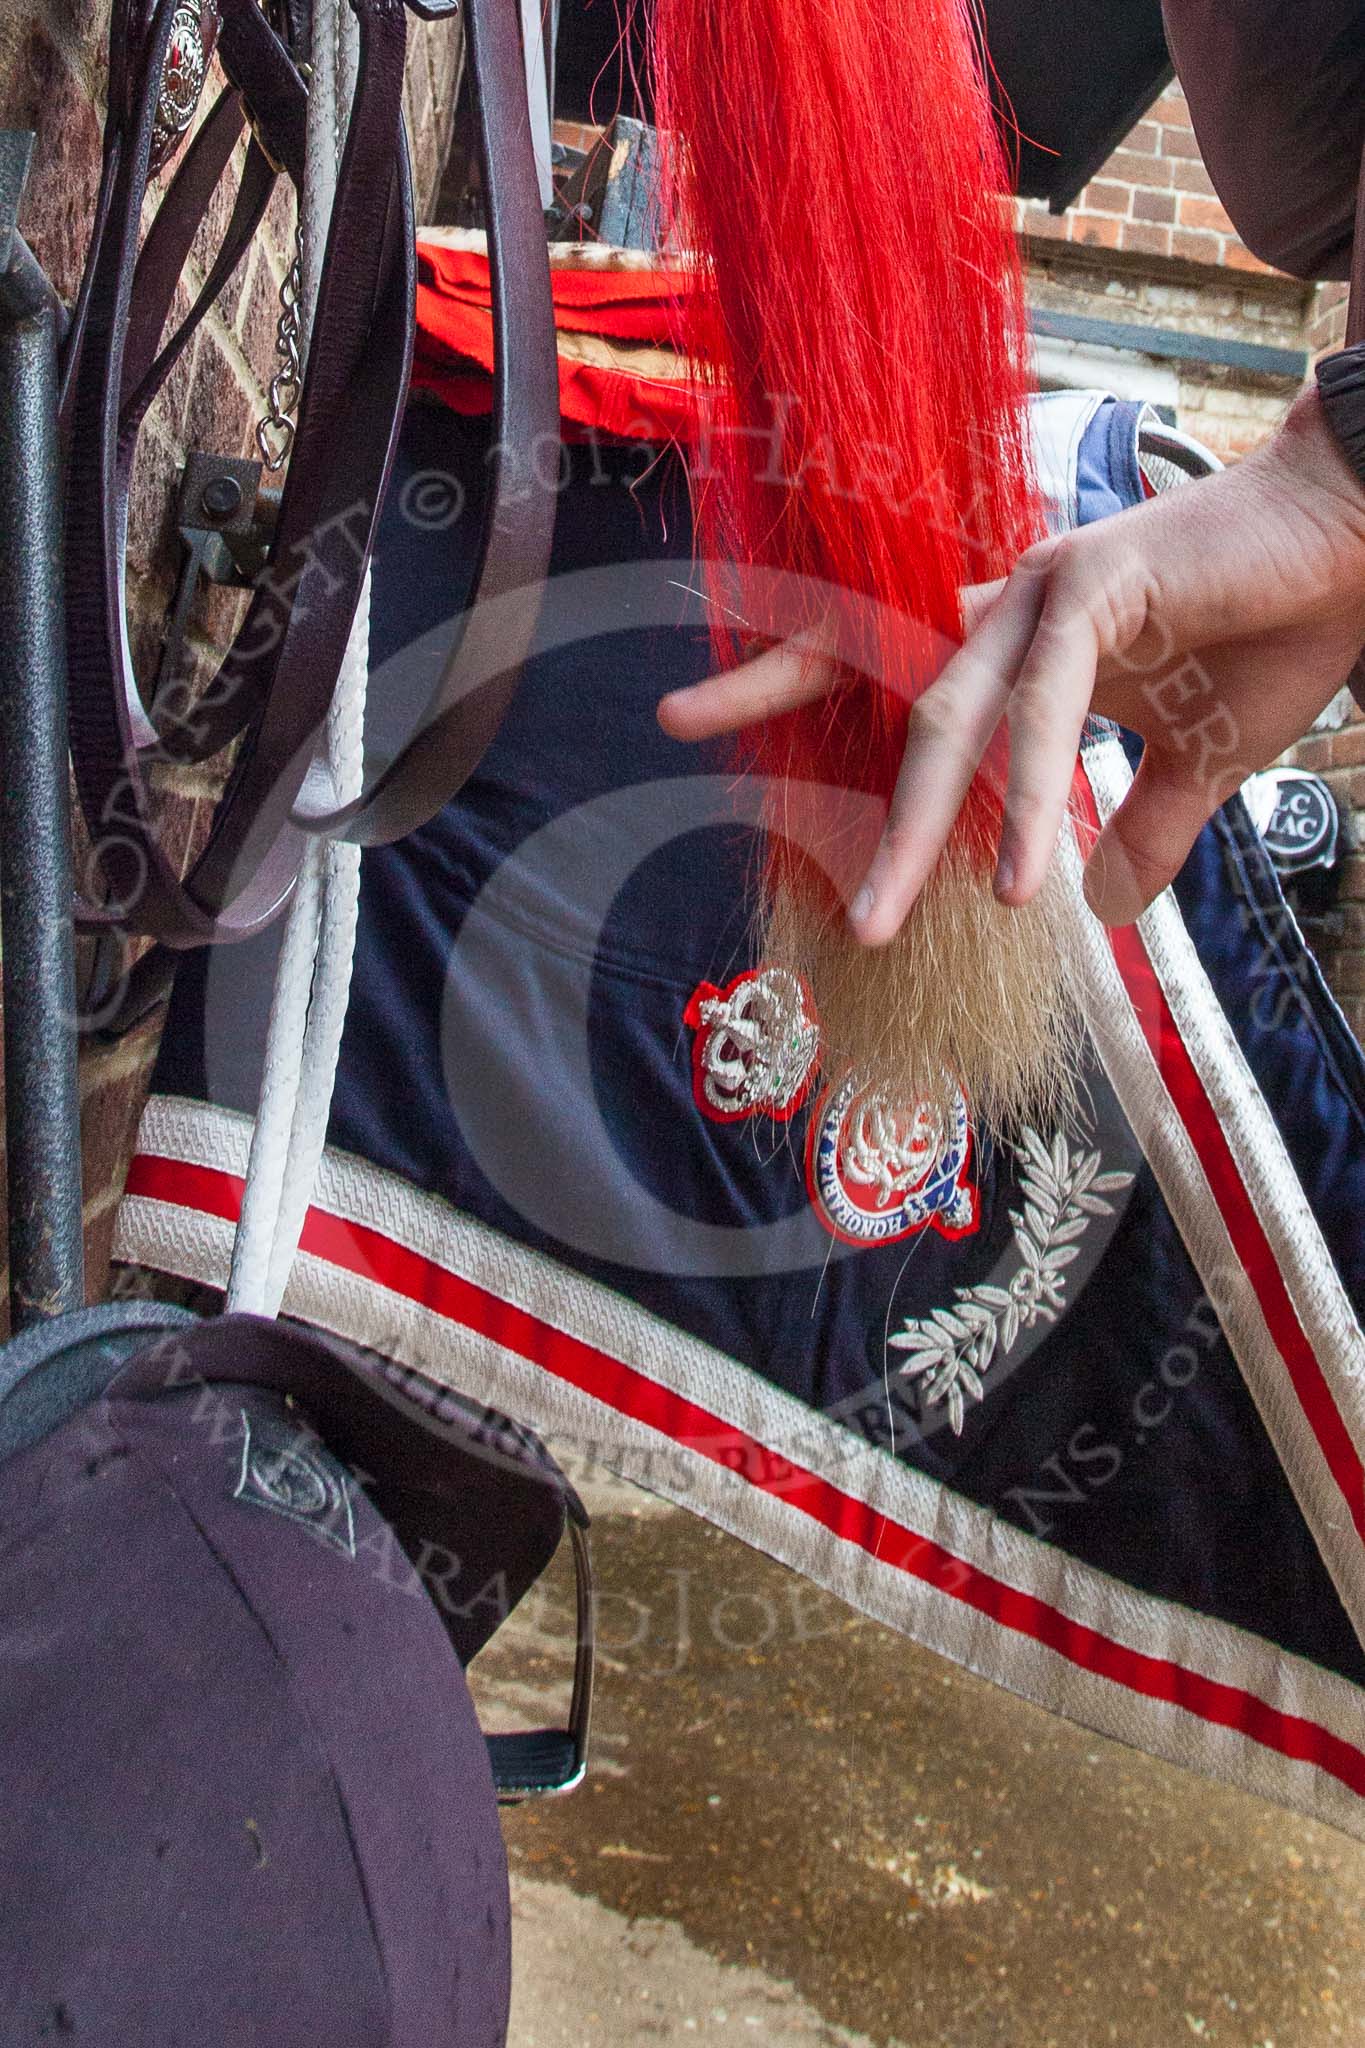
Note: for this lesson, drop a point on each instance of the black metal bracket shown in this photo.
(226, 520)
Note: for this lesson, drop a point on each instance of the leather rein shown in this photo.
(272, 691)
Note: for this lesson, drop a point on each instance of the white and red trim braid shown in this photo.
(385, 1264)
(1226, 1174)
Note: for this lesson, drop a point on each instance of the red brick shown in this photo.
(1347, 974)
(109, 1118)
(1131, 169)
(1196, 212)
(219, 417)
(186, 820)
(1146, 241)
(1314, 752)
(1327, 330)
(151, 495)
(219, 614)
(99, 1250)
(1353, 878)
(1179, 142)
(1143, 139)
(1154, 206)
(85, 21)
(1103, 197)
(1173, 108)
(231, 297)
(1348, 747)
(1189, 175)
(1238, 257)
(41, 92)
(578, 134)
(1327, 325)
(1045, 227)
(1096, 231)
(195, 668)
(1193, 245)
(277, 229)
(258, 325)
(148, 602)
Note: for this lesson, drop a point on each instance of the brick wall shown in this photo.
(1154, 198)
(52, 73)
(1148, 244)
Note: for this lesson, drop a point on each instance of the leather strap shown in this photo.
(275, 685)
(289, 652)
(146, 367)
(362, 350)
(480, 675)
(277, 680)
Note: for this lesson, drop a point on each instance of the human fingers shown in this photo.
(951, 726)
(977, 599)
(1045, 714)
(782, 678)
(1147, 841)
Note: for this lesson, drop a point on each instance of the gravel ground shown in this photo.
(799, 1828)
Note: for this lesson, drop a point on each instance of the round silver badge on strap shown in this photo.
(194, 31)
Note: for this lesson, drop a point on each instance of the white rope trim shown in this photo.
(313, 979)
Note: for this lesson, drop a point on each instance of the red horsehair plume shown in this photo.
(855, 313)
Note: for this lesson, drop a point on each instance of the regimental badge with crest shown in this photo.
(878, 1170)
(756, 1047)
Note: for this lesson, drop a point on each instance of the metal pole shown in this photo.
(42, 1102)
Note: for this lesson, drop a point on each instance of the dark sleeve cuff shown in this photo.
(1341, 387)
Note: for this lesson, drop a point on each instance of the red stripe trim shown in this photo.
(1186, 1088)
(358, 1249)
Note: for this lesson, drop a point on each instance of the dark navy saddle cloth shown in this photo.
(1085, 1410)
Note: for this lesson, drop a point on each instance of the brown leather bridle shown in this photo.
(275, 684)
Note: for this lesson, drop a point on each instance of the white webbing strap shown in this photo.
(312, 985)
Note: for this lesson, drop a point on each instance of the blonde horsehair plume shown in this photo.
(969, 995)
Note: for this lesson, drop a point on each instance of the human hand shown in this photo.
(1217, 622)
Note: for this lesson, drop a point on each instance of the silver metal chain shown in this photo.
(275, 433)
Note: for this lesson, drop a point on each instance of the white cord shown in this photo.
(313, 980)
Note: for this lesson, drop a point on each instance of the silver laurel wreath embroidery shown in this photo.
(952, 1348)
